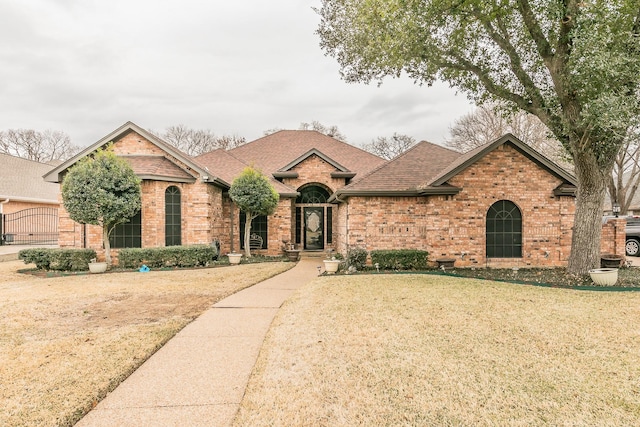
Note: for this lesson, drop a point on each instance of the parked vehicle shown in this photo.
(632, 246)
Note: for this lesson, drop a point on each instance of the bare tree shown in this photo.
(331, 131)
(489, 122)
(198, 141)
(42, 147)
(625, 178)
(390, 147)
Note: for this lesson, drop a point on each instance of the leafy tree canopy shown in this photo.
(252, 192)
(575, 64)
(101, 190)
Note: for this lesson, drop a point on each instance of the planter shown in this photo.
(234, 258)
(97, 267)
(331, 265)
(292, 254)
(604, 276)
(611, 261)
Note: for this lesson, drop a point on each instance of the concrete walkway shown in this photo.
(199, 377)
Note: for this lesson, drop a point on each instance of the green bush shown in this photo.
(171, 256)
(401, 259)
(58, 259)
(357, 258)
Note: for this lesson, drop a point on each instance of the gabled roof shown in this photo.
(476, 154)
(405, 174)
(21, 180)
(230, 167)
(56, 174)
(279, 152)
(426, 169)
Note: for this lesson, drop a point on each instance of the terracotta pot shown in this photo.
(604, 276)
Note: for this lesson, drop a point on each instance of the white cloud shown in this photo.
(86, 67)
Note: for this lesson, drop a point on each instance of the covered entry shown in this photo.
(314, 218)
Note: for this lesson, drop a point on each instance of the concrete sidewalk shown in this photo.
(199, 377)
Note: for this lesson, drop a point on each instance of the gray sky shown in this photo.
(239, 67)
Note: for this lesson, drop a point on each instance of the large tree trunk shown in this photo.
(587, 225)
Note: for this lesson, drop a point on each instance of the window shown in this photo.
(258, 226)
(172, 217)
(504, 230)
(313, 194)
(127, 235)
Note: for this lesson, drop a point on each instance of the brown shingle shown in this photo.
(225, 166)
(273, 152)
(408, 171)
(157, 167)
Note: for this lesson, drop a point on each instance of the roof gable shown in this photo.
(469, 158)
(277, 153)
(56, 174)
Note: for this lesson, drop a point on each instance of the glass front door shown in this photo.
(313, 228)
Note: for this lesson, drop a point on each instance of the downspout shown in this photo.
(232, 226)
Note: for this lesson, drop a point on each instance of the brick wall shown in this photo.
(455, 226)
(613, 237)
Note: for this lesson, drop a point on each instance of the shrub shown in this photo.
(401, 259)
(58, 259)
(357, 258)
(171, 256)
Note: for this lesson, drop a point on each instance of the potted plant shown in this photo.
(97, 267)
(234, 258)
(331, 265)
(604, 276)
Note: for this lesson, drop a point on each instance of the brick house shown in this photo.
(28, 205)
(501, 204)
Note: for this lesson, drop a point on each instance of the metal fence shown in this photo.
(33, 226)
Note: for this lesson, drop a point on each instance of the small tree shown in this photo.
(102, 190)
(254, 195)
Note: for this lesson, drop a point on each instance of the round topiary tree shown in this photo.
(102, 189)
(252, 192)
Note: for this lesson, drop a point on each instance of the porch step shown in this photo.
(312, 255)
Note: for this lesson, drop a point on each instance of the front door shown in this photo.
(313, 228)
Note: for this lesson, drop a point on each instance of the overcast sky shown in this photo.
(239, 67)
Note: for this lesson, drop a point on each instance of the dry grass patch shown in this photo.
(65, 342)
(432, 350)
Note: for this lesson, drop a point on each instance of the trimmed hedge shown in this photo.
(58, 259)
(401, 259)
(357, 258)
(171, 256)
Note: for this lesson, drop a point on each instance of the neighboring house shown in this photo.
(28, 204)
(501, 204)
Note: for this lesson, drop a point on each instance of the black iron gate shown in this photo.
(33, 226)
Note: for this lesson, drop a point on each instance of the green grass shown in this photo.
(436, 350)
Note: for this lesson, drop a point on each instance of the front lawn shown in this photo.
(437, 350)
(66, 341)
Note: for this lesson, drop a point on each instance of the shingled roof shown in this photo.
(282, 150)
(57, 173)
(426, 168)
(158, 168)
(21, 180)
(228, 167)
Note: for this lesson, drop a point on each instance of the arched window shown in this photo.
(504, 230)
(313, 194)
(172, 217)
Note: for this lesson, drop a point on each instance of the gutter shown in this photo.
(28, 199)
